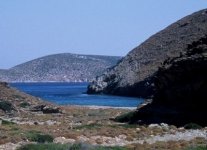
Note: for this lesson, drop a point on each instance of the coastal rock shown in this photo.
(133, 75)
(180, 89)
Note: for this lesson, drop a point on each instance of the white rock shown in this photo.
(138, 129)
(154, 126)
(164, 125)
(63, 140)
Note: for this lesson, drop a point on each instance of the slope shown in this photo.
(132, 76)
(59, 67)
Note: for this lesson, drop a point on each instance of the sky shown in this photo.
(34, 28)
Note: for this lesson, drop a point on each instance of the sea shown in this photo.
(74, 94)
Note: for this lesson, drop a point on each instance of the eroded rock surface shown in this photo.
(132, 75)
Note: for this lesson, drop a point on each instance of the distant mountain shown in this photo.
(59, 68)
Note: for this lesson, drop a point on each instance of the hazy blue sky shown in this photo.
(34, 28)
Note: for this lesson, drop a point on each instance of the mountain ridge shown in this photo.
(132, 75)
(64, 67)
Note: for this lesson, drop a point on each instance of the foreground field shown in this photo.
(29, 120)
(95, 127)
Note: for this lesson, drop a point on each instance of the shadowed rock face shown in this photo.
(180, 89)
(134, 74)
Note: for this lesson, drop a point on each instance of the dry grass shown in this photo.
(80, 121)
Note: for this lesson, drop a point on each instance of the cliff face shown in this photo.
(133, 75)
(180, 89)
(60, 67)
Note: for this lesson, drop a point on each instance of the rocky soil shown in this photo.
(72, 124)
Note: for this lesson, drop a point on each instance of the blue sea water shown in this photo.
(74, 94)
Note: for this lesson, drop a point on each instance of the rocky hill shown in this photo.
(180, 89)
(171, 66)
(60, 67)
(134, 73)
(16, 103)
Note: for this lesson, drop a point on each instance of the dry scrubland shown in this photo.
(25, 123)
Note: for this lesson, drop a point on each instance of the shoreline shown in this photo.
(99, 107)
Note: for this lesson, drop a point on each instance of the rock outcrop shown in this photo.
(46, 109)
(134, 74)
(180, 89)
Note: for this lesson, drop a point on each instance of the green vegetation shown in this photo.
(89, 126)
(24, 104)
(49, 146)
(126, 117)
(35, 136)
(79, 146)
(192, 126)
(5, 122)
(111, 148)
(197, 148)
(6, 106)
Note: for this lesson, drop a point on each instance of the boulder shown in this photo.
(49, 110)
(46, 109)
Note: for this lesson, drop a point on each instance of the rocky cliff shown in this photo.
(180, 89)
(134, 74)
(60, 67)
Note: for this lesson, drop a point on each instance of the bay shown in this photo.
(74, 94)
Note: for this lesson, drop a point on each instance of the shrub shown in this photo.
(35, 136)
(89, 126)
(197, 148)
(6, 106)
(5, 122)
(126, 117)
(79, 146)
(24, 104)
(49, 146)
(76, 147)
(192, 126)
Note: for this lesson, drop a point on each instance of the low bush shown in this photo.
(126, 117)
(197, 148)
(78, 146)
(49, 146)
(24, 104)
(5, 122)
(6, 106)
(192, 126)
(89, 126)
(35, 136)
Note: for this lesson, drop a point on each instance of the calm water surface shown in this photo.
(74, 94)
